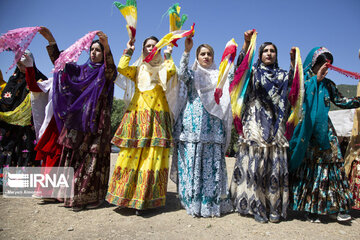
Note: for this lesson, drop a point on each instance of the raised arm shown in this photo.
(52, 48)
(123, 66)
(184, 72)
(110, 71)
(169, 62)
(339, 100)
(247, 38)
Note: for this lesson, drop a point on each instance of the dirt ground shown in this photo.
(24, 218)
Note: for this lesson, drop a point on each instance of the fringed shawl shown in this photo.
(76, 93)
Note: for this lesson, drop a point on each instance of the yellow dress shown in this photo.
(144, 136)
(2, 83)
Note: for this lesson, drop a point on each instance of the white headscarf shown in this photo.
(205, 80)
(148, 76)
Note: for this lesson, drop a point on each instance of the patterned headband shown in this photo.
(317, 53)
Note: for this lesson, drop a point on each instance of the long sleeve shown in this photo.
(240, 58)
(184, 72)
(339, 100)
(53, 52)
(124, 68)
(30, 80)
(110, 71)
(170, 68)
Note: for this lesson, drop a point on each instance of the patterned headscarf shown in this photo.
(77, 89)
(270, 84)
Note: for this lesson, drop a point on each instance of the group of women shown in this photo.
(270, 176)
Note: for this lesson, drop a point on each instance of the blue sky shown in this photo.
(331, 23)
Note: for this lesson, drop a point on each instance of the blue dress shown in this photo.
(319, 184)
(199, 155)
(259, 184)
(317, 177)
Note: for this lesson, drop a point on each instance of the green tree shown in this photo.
(117, 113)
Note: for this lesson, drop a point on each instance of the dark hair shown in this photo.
(152, 38)
(97, 41)
(265, 44)
(204, 45)
(323, 58)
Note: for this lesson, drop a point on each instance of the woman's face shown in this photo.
(268, 56)
(317, 66)
(205, 57)
(96, 54)
(149, 46)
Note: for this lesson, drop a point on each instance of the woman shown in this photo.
(17, 136)
(82, 98)
(201, 133)
(144, 137)
(47, 148)
(352, 157)
(259, 184)
(319, 184)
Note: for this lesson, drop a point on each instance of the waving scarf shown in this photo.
(239, 85)
(315, 120)
(76, 92)
(17, 40)
(296, 96)
(227, 62)
(15, 105)
(72, 54)
(149, 75)
(175, 21)
(170, 38)
(129, 11)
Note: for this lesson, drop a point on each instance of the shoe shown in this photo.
(274, 219)
(94, 205)
(78, 208)
(49, 200)
(260, 219)
(138, 212)
(343, 217)
(312, 217)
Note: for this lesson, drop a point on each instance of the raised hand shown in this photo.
(131, 44)
(188, 44)
(104, 41)
(247, 38)
(47, 34)
(168, 49)
(322, 72)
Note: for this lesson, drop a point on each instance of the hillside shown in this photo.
(347, 91)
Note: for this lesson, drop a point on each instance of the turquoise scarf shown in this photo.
(315, 121)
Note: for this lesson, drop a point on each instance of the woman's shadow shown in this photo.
(172, 205)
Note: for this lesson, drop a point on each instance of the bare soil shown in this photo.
(26, 218)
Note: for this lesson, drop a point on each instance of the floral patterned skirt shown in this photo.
(319, 185)
(89, 155)
(259, 185)
(140, 178)
(202, 178)
(355, 183)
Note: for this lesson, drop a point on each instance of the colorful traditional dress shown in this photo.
(82, 98)
(144, 137)
(17, 136)
(47, 148)
(352, 158)
(259, 185)
(318, 181)
(200, 144)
